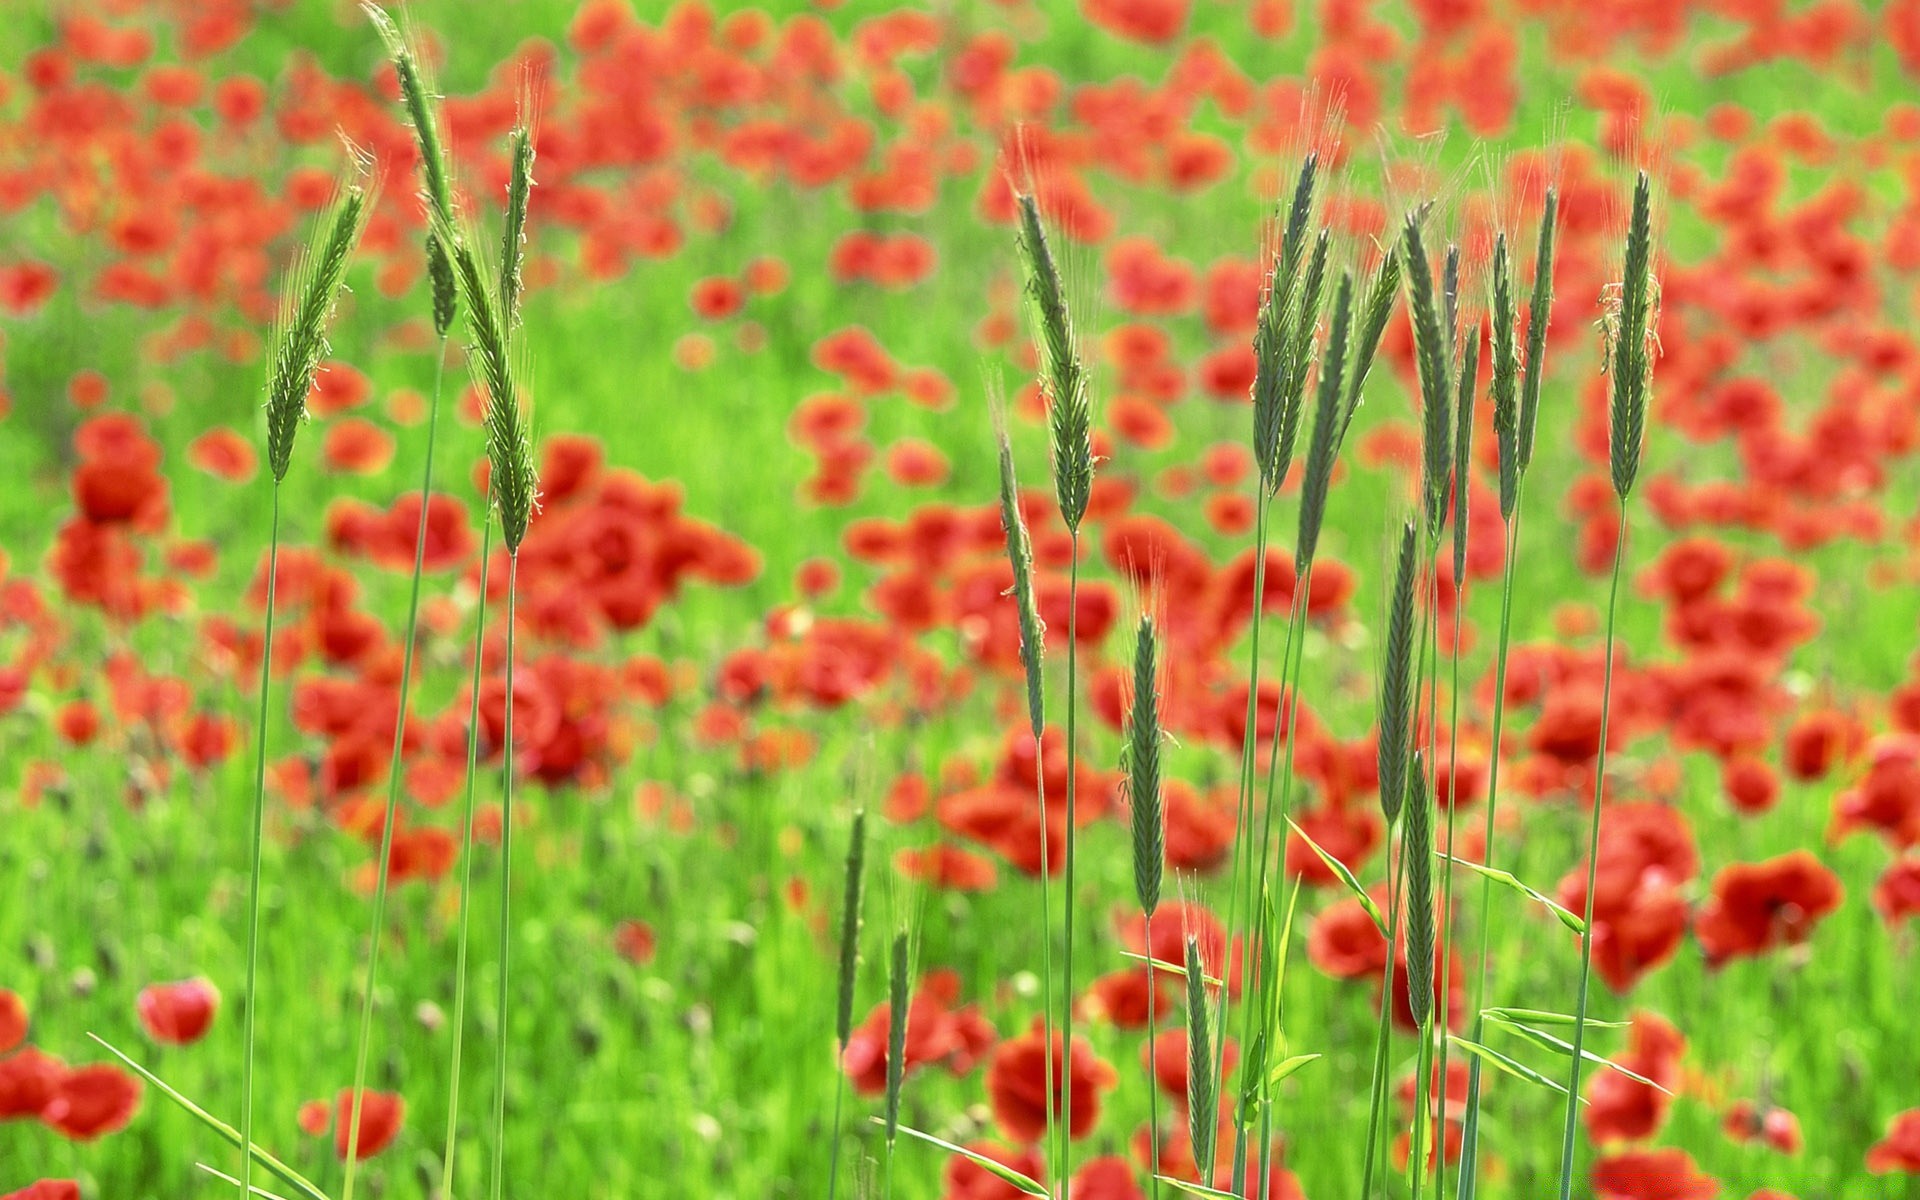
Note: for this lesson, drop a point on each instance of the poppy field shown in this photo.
(1094, 599)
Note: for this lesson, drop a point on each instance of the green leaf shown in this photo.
(287, 1174)
(254, 1189)
(1535, 1016)
(1516, 1069)
(1195, 1189)
(1567, 917)
(1353, 885)
(1565, 1050)
(1288, 1066)
(1000, 1171)
(1171, 968)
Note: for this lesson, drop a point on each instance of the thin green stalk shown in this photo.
(1383, 1035)
(506, 888)
(1417, 1149)
(466, 870)
(1593, 860)
(393, 793)
(253, 880)
(1470, 1132)
(1153, 1056)
(1292, 650)
(1446, 882)
(1046, 941)
(1243, 819)
(1066, 1000)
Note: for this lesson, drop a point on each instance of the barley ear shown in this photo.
(301, 339)
(1143, 769)
(1276, 424)
(1203, 1101)
(1463, 450)
(1374, 315)
(1069, 407)
(1450, 296)
(1416, 843)
(512, 480)
(513, 243)
(1299, 214)
(1539, 314)
(896, 1031)
(1629, 352)
(1506, 377)
(1396, 681)
(1020, 556)
(1303, 325)
(416, 93)
(850, 925)
(1432, 353)
(1329, 424)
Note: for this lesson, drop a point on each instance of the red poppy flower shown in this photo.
(1897, 894)
(1624, 1109)
(1652, 1175)
(635, 941)
(356, 446)
(1900, 1149)
(1756, 906)
(224, 454)
(1747, 1122)
(47, 1189)
(178, 1014)
(1016, 1085)
(13, 1021)
(28, 1082)
(381, 1115)
(1107, 1178)
(92, 1101)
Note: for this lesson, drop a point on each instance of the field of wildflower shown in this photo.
(1093, 599)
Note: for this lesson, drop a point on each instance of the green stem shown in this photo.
(253, 883)
(1593, 860)
(506, 888)
(1470, 1132)
(466, 869)
(1046, 944)
(1153, 1079)
(839, 1095)
(1445, 922)
(1243, 818)
(1417, 1149)
(1383, 1035)
(393, 797)
(1066, 1001)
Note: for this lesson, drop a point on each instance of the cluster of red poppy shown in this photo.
(154, 169)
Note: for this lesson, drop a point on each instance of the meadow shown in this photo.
(823, 399)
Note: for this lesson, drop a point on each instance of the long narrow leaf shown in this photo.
(1535, 1016)
(287, 1174)
(1496, 1059)
(1506, 879)
(998, 1170)
(1565, 1050)
(1195, 1189)
(1288, 1066)
(1339, 868)
(1171, 968)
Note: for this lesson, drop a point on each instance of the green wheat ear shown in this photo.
(301, 341)
(1396, 681)
(1463, 451)
(1143, 768)
(1013, 524)
(1417, 846)
(1629, 337)
(1329, 426)
(416, 93)
(514, 238)
(1432, 353)
(1203, 1100)
(1069, 404)
(512, 478)
(1506, 377)
(1539, 314)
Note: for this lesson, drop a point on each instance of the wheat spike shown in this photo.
(1396, 681)
(1069, 406)
(301, 341)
